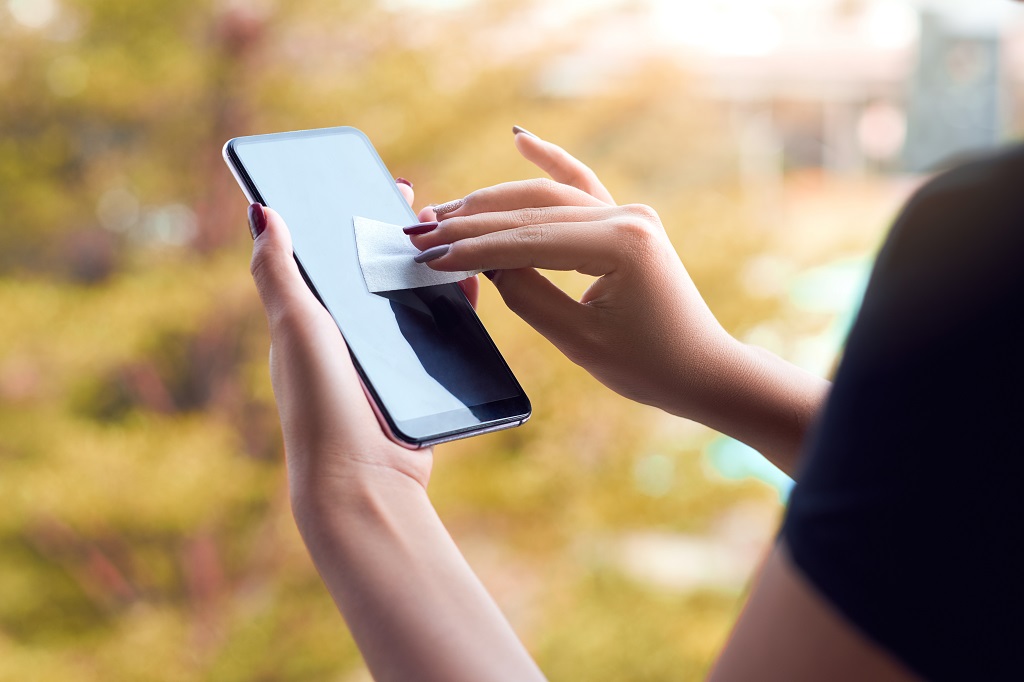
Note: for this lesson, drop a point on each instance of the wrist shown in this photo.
(354, 493)
(772, 404)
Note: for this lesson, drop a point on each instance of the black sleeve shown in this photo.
(909, 513)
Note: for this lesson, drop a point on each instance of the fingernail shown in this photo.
(519, 129)
(403, 181)
(432, 253)
(420, 228)
(257, 220)
(449, 207)
(489, 274)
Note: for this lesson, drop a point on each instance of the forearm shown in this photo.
(415, 608)
(764, 401)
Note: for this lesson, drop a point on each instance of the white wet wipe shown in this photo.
(386, 259)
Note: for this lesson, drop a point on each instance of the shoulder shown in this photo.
(974, 210)
(910, 481)
(953, 255)
(979, 169)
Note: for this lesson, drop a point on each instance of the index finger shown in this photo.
(509, 196)
(562, 166)
(588, 247)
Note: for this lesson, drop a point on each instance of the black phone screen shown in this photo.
(423, 353)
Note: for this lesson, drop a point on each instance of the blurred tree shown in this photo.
(146, 532)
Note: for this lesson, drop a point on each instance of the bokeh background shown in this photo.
(144, 527)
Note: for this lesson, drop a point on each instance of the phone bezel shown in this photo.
(517, 408)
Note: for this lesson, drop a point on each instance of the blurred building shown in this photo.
(842, 85)
(955, 102)
(890, 85)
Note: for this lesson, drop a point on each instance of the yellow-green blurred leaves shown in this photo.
(146, 473)
(145, 532)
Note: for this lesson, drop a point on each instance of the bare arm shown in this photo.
(789, 633)
(642, 328)
(773, 406)
(415, 608)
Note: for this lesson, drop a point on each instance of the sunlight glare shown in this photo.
(32, 13)
(727, 29)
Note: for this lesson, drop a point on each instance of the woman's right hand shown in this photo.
(641, 328)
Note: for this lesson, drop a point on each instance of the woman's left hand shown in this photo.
(331, 434)
(360, 500)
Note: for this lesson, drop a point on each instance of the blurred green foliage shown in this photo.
(146, 533)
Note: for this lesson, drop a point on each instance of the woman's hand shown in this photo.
(641, 328)
(412, 603)
(331, 434)
(360, 503)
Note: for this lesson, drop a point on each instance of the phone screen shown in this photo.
(423, 353)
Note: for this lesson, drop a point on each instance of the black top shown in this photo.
(909, 513)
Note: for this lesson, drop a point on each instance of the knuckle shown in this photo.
(545, 185)
(522, 217)
(281, 319)
(640, 224)
(454, 227)
(260, 266)
(474, 198)
(644, 212)
(580, 175)
(641, 234)
(634, 230)
(530, 235)
(268, 274)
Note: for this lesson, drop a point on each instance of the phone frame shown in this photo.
(385, 420)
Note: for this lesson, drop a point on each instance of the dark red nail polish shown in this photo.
(519, 129)
(403, 181)
(432, 253)
(257, 220)
(489, 274)
(420, 228)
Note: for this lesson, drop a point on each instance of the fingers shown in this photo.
(471, 288)
(562, 166)
(545, 307)
(305, 340)
(463, 227)
(509, 196)
(273, 267)
(592, 240)
(426, 214)
(280, 285)
(593, 248)
(406, 190)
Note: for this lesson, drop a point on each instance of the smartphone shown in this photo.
(428, 366)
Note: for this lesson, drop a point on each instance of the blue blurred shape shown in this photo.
(734, 460)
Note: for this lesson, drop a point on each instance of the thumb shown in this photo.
(557, 316)
(274, 270)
